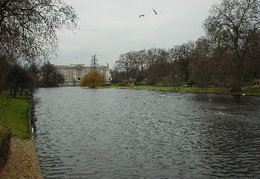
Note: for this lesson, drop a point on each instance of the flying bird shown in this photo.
(142, 15)
(155, 12)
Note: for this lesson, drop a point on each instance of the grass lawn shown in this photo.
(14, 114)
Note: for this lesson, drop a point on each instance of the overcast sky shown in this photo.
(108, 28)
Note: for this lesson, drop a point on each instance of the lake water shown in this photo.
(115, 133)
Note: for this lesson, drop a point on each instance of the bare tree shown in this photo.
(20, 78)
(29, 28)
(127, 64)
(253, 57)
(201, 62)
(94, 62)
(232, 24)
(4, 68)
(152, 74)
(158, 60)
(182, 54)
(50, 76)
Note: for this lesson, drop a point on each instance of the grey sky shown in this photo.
(109, 28)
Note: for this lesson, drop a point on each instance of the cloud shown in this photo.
(109, 28)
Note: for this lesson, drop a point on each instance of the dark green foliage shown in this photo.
(19, 78)
(50, 76)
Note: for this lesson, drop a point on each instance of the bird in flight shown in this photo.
(155, 12)
(142, 15)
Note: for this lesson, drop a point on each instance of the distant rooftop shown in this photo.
(71, 65)
(82, 65)
(74, 65)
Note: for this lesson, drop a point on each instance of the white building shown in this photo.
(75, 72)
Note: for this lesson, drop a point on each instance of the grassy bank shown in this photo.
(248, 91)
(22, 161)
(14, 114)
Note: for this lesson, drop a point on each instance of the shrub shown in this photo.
(93, 79)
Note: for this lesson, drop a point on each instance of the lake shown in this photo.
(120, 133)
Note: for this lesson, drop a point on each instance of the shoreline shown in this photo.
(244, 92)
(23, 161)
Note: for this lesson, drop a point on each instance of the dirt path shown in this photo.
(23, 162)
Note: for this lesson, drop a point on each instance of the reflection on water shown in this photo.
(112, 133)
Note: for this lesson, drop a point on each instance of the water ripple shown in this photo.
(112, 133)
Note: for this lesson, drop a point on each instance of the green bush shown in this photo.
(249, 82)
(191, 82)
(4, 133)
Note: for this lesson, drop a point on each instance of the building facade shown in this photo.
(74, 73)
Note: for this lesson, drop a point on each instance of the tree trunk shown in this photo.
(21, 92)
(14, 94)
(237, 83)
(236, 86)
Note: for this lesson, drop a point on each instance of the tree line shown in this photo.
(226, 56)
(28, 37)
(27, 78)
